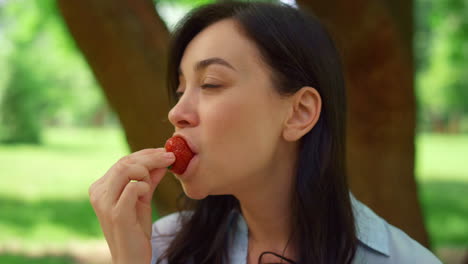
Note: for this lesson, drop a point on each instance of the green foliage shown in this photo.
(20, 106)
(21, 110)
(442, 60)
(46, 80)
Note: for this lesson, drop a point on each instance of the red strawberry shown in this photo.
(182, 152)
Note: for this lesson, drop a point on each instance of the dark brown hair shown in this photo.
(299, 52)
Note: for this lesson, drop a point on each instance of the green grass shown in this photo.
(21, 259)
(446, 212)
(442, 157)
(442, 175)
(44, 191)
(64, 167)
(44, 200)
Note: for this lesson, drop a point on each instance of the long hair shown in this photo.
(299, 52)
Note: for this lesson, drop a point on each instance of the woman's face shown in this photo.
(229, 111)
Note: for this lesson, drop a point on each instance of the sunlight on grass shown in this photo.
(44, 192)
(442, 157)
(64, 167)
(442, 175)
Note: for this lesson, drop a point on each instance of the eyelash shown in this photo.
(207, 85)
(204, 86)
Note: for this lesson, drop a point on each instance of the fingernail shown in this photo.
(169, 155)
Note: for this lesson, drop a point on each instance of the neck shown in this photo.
(267, 209)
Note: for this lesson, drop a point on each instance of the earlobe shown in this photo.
(304, 112)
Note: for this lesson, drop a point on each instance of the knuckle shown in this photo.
(97, 207)
(122, 166)
(97, 198)
(142, 172)
(127, 160)
(93, 199)
(137, 172)
(149, 151)
(132, 187)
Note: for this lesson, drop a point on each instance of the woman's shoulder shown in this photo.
(381, 242)
(167, 223)
(163, 232)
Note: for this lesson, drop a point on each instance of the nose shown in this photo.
(184, 113)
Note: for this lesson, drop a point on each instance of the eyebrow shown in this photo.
(205, 63)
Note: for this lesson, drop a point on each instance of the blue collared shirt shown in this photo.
(378, 241)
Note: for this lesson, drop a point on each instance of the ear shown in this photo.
(304, 112)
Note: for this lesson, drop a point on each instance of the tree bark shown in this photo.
(375, 39)
(125, 43)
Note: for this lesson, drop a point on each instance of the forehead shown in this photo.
(225, 40)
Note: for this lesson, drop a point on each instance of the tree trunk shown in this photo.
(375, 39)
(125, 43)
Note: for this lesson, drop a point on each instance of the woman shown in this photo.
(261, 101)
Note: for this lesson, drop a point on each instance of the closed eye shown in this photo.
(207, 85)
(204, 86)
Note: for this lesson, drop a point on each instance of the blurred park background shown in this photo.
(58, 133)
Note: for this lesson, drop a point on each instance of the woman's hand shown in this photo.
(122, 202)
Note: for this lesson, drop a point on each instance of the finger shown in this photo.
(145, 201)
(126, 174)
(124, 211)
(144, 217)
(131, 159)
(152, 160)
(156, 176)
(136, 168)
(148, 151)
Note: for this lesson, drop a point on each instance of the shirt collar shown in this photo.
(370, 228)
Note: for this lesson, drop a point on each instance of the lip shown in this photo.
(192, 147)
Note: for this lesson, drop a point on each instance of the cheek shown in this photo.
(237, 137)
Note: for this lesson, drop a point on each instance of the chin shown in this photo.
(194, 193)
